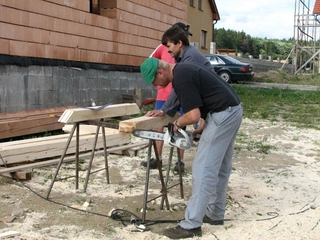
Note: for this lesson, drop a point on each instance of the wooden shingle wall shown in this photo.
(66, 30)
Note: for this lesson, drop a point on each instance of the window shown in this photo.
(191, 3)
(200, 5)
(106, 8)
(94, 7)
(203, 39)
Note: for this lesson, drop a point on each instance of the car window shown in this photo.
(213, 60)
(231, 59)
(220, 61)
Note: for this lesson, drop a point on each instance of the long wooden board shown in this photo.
(65, 160)
(128, 126)
(84, 114)
(48, 147)
(30, 122)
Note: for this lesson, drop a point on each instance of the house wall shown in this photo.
(119, 39)
(36, 87)
(65, 29)
(200, 20)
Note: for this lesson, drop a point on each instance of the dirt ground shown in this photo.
(273, 193)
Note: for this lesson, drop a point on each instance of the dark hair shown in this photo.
(175, 34)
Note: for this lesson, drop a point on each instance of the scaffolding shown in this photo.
(306, 50)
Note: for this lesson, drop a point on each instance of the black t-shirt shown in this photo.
(198, 87)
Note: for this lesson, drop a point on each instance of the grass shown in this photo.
(300, 108)
(279, 76)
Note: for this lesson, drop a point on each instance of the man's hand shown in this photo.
(154, 113)
(198, 130)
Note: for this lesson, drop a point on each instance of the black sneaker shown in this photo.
(179, 232)
(176, 167)
(206, 219)
(153, 163)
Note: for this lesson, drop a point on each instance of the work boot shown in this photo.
(153, 163)
(176, 167)
(206, 219)
(179, 232)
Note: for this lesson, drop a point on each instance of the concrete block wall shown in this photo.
(65, 29)
(36, 87)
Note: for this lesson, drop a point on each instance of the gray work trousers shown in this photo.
(212, 167)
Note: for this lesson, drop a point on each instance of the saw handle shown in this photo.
(171, 131)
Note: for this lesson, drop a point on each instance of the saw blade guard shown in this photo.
(180, 140)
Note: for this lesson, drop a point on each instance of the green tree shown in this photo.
(247, 45)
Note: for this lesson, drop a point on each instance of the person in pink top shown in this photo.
(161, 52)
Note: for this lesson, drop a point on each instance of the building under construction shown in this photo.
(305, 54)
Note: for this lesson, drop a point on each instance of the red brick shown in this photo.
(49, 51)
(8, 31)
(41, 50)
(4, 46)
(84, 5)
(18, 32)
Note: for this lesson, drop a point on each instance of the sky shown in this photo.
(272, 19)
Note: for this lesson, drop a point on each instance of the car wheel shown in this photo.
(225, 76)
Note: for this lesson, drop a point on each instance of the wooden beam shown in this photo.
(47, 147)
(85, 114)
(37, 164)
(30, 122)
(23, 115)
(29, 126)
(128, 126)
(67, 159)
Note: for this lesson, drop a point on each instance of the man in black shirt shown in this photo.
(202, 94)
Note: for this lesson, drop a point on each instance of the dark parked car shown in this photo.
(230, 69)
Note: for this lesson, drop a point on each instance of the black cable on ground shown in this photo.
(124, 216)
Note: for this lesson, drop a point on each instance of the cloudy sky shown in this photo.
(259, 18)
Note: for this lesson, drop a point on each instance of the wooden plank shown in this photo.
(38, 164)
(62, 137)
(128, 126)
(30, 122)
(23, 115)
(87, 129)
(29, 126)
(47, 149)
(67, 159)
(85, 114)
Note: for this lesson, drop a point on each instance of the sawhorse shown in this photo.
(76, 128)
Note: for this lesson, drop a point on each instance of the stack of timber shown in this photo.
(31, 153)
(24, 151)
(30, 122)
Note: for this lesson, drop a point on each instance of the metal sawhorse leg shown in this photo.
(164, 187)
(76, 127)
